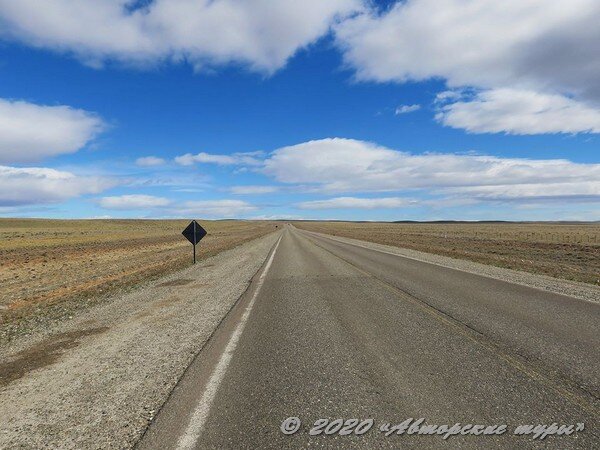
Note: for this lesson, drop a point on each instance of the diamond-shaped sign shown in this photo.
(194, 232)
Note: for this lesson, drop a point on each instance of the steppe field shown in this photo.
(569, 251)
(54, 267)
(49, 269)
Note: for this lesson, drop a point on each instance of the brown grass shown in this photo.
(47, 262)
(569, 251)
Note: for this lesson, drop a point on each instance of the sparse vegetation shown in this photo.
(569, 251)
(45, 263)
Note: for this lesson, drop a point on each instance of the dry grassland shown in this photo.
(569, 251)
(57, 263)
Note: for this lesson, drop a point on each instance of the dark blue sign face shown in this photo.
(194, 232)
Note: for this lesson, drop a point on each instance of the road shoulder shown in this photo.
(99, 380)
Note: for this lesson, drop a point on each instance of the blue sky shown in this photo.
(343, 111)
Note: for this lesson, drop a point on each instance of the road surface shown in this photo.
(335, 330)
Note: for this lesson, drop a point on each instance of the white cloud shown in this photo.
(276, 217)
(357, 203)
(260, 33)
(347, 165)
(38, 185)
(220, 209)
(548, 48)
(134, 201)
(335, 163)
(217, 209)
(30, 132)
(405, 109)
(519, 112)
(149, 161)
(483, 43)
(250, 190)
(580, 191)
(247, 159)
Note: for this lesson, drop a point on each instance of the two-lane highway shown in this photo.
(333, 330)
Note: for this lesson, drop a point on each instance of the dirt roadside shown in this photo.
(51, 270)
(96, 381)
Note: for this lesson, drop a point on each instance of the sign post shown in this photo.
(194, 233)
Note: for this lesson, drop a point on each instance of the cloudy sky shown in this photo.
(341, 109)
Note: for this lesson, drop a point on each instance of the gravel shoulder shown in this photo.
(99, 379)
(575, 289)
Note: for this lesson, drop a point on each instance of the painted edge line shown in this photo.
(189, 438)
(481, 339)
(346, 241)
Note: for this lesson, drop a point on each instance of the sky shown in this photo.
(344, 109)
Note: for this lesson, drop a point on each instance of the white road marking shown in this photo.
(190, 437)
(460, 269)
(343, 241)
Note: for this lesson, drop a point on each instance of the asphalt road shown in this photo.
(334, 330)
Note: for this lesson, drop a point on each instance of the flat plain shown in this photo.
(568, 251)
(56, 266)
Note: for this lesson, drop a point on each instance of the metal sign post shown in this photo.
(193, 243)
(194, 233)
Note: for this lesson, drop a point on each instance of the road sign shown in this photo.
(194, 233)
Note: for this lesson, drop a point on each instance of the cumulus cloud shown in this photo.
(517, 111)
(260, 33)
(217, 209)
(134, 201)
(405, 109)
(246, 159)
(579, 191)
(484, 43)
(525, 45)
(357, 203)
(335, 163)
(149, 161)
(276, 217)
(251, 190)
(29, 132)
(220, 209)
(347, 165)
(38, 185)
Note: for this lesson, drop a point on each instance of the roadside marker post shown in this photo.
(194, 233)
